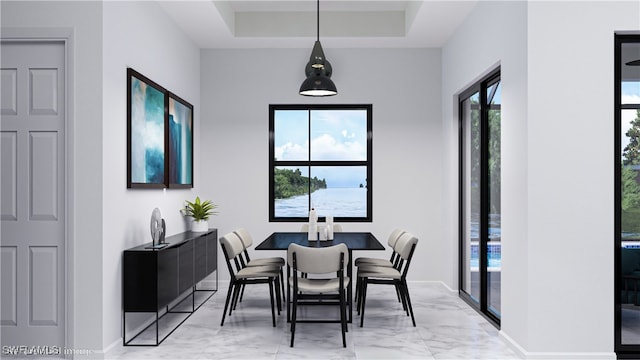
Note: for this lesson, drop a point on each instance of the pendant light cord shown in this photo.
(318, 20)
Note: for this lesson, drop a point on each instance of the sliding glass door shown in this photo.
(480, 214)
(627, 195)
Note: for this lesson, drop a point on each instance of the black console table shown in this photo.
(161, 280)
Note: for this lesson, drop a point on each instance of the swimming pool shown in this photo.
(495, 262)
(494, 255)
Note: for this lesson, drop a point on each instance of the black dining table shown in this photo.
(353, 240)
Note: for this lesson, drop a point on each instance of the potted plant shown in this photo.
(200, 212)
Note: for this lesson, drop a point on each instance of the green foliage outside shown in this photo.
(630, 201)
(495, 158)
(289, 183)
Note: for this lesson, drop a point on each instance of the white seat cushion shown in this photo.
(277, 261)
(379, 272)
(373, 261)
(258, 271)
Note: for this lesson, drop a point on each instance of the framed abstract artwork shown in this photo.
(159, 136)
(180, 147)
(146, 132)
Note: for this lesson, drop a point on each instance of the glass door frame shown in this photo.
(480, 87)
(623, 351)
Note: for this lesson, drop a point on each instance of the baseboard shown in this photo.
(434, 282)
(113, 345)
(547, 355)
(453, 291)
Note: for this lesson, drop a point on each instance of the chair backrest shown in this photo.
(394, 236)
(245, 237)
(322, 260)
(232, 245)
(405, 244)
(232, 248)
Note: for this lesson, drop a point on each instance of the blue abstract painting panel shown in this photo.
(147, 133)
(180, 142)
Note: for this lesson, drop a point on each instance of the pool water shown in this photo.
(494, 261)
(494, 254)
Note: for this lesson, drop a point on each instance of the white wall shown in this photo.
(557, 169)
(570, 166)
(404, 88)
(83, 21)
(139, 35)
(480, 45)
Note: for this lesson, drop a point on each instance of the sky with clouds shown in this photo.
(335, 135)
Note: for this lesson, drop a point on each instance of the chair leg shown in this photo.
(343, 317)
(364, 299)
(406, 291)
(226, 303)
(273, 310)
(277, 291)
(294, 312)
(398, 294)
(282, 281)
(234, 300)
(356, 295)
(403, 296)
(287, 299)
(242, 292)
(359, 299)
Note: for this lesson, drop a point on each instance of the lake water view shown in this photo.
(337, 202)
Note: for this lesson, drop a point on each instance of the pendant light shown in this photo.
(318, 69)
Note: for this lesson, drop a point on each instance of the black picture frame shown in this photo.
(159, 136)
(180, 142)
(147, 163)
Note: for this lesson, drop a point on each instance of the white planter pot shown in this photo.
(199, 226)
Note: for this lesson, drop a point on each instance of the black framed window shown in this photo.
(320, 157)
(480, 258)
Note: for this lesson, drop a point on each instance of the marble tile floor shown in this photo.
(447, 328)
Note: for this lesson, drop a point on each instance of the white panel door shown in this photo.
(32, 197)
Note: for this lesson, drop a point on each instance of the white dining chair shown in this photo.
(396, 276)
(240, 276)
(327, 284)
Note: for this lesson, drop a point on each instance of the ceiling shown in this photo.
(343, 23)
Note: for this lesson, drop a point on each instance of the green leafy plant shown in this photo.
(200, 210)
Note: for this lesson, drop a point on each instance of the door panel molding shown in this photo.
(9, 285)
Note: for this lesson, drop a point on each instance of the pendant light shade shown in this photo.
(318, 69)
(318, 85)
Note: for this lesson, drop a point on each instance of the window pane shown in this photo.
(339, 135)
(471, 195)
(494, 94)
(291, 191)
(630, 223)
(631, 91)
(630, 145)
(630, 81)
(494, 253)
(344, 193)
(291, 135)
